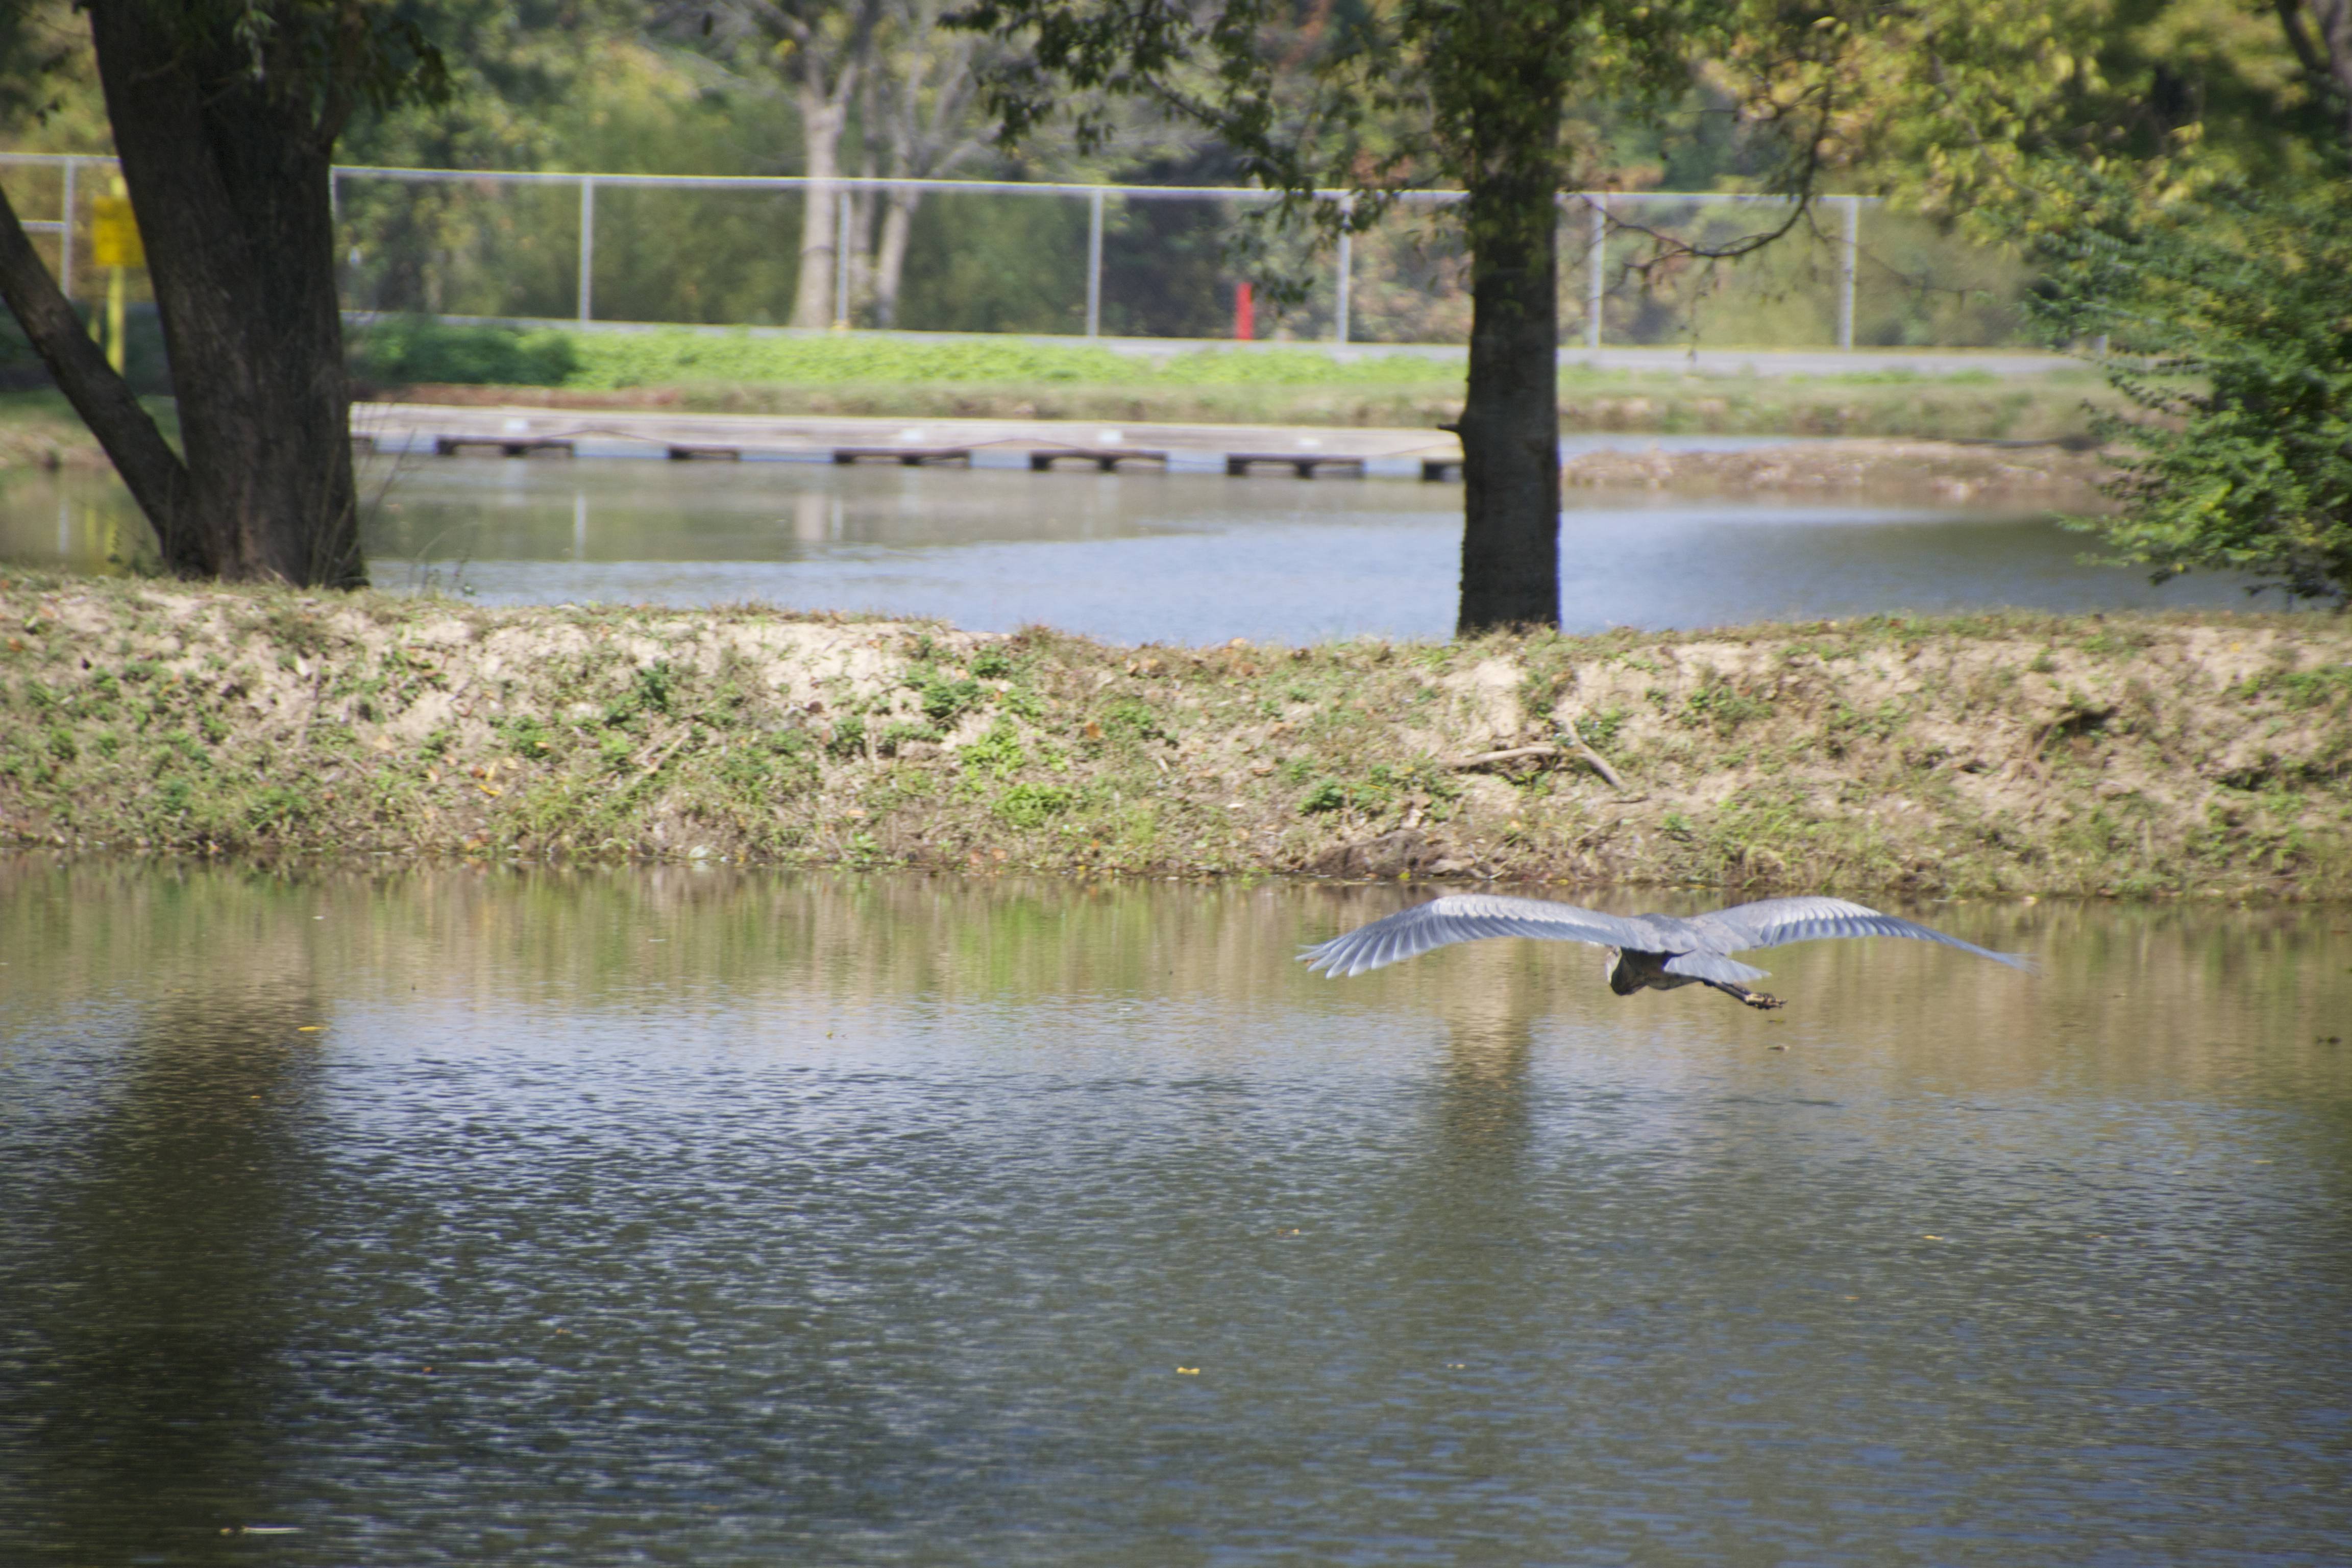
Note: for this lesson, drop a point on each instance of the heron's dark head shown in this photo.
(1623, 978)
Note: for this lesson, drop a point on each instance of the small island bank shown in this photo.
(2200, 755)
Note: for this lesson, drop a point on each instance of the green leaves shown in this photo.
(2229, 319)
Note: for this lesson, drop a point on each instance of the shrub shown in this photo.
(944, 701)
(1029, 805)
(403, 350)
(999, 752)
(2227, 316)
(1330, 795)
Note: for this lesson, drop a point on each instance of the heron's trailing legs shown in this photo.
(1755, 999)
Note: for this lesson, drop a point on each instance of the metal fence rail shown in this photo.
(1602, 214)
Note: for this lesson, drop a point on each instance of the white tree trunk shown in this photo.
(897, 223)
(821, 118)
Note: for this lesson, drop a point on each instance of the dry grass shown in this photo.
(2204, 755)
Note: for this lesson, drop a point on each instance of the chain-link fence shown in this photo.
(1129, 261)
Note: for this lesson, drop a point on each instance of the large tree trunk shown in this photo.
(157, 479)
(1511, 420)
(229, 178)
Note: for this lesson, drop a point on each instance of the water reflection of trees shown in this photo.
(2149, 993)
(157, 1296)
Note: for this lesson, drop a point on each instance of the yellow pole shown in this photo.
(115, 318)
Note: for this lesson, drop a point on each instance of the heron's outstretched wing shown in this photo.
(1775, 923)
(1713, 966)
(1467, 917)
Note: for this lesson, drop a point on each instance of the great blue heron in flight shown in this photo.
(1655, 953)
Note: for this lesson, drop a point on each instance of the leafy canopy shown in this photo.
(1381, 96)
(2230, 323)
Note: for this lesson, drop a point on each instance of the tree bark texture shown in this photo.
(2320, 32)
(156, 477)
(1510, 419)
(824, 117)
(229, 178)
(890, 264)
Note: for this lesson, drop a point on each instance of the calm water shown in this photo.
(1139, 557)
(460, 1217)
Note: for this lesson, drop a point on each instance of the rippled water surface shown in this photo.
(466, 1217)
(1183, 558)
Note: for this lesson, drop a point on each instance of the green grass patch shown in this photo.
(762, 372)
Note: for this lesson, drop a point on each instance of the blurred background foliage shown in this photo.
(1950, 111)
(608, 86)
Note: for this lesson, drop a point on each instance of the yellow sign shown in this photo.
(114, 233)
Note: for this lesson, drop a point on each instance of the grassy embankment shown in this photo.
(2196, 755)
(740, 372)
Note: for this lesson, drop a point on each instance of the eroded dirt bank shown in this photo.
(2207, 755)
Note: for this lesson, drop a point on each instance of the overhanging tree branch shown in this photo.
(157, 478)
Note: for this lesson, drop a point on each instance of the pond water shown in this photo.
(716, 1218)
(1146, 557)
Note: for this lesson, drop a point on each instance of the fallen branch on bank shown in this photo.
(1543, 751)
(1598, 764)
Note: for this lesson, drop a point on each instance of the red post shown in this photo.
(1244, 313)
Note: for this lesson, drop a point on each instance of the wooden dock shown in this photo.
(1106, 459)
(1306, 465)
(527, 446)
(905, 456)
(1035, 445)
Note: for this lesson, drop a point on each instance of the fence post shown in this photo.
(1846, 248)
(587, 246)
(1346, 259)
(65, 235)
(1593, 263)
(1094, 264)
(841, 260)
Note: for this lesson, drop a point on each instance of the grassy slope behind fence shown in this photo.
(740, 371)
(2204, 755)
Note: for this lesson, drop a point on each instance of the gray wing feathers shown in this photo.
(1775, 923)
(1464, 917)
(1712, 966)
